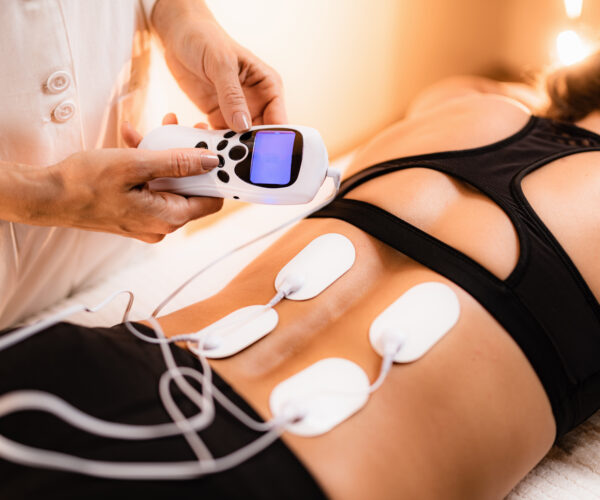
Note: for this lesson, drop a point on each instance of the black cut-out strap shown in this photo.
(538, 222)
(492, 293)
(389, 166)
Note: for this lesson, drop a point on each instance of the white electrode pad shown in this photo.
(318, 264)
(322, 396)
(424, 314)
(236, 331)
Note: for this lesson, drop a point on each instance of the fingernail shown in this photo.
(209, 161)
(241, 121)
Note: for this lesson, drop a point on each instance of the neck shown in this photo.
(591, 122)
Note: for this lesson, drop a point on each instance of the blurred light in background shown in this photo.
(573, 8)
(351, 67)
(571, 48)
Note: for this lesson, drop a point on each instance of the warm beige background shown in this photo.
(351, 66)
(532, 25)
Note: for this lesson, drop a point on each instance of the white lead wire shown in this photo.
(21, 334)
(35, 457)
(188, 427)
(26, 455)
(333, 173)
(386, 365)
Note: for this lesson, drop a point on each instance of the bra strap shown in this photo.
(491, 292)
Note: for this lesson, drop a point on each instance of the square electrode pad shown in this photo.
(318, 264)
(321, 396)
(236, 331)
(423, 315)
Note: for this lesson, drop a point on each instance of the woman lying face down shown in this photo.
(471, 191)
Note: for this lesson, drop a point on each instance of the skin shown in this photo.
(469, 419)
(232, 86)
(106, 190)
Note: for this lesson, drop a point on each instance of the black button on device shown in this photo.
(221, 161)
(202, 145)
(229, 135)
(237, 152)
(222, 175)
(245, 136)
(222, 145)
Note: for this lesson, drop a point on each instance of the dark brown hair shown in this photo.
(574, 91)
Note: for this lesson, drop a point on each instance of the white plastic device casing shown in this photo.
(323, 395)
(319, 263)
(312, 173)
(424, 314)
(236, 331)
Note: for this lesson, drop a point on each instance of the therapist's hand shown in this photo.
(227, 82)
(106, 190)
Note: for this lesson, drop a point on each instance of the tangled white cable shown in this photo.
(188, 427)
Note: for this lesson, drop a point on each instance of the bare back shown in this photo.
(469, 419)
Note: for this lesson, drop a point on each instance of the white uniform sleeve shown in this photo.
(55, 102)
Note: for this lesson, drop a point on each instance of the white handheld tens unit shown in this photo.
(270, 164)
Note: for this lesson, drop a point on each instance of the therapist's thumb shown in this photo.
(150, 165)
(232, 101)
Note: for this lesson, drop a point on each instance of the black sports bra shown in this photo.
(544, 304)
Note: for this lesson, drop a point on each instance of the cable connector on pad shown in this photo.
(292, 283)
(392, 341)
(336, 177)
(412, 324)
(316, 266)
(320, 397)
(235, 332)
(209, 342)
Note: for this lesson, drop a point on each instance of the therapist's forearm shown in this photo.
(168, 14)
(27, 193)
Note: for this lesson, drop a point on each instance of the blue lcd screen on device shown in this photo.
(272, 157)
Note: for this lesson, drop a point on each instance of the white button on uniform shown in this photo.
(58, 82)
(64, 111)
